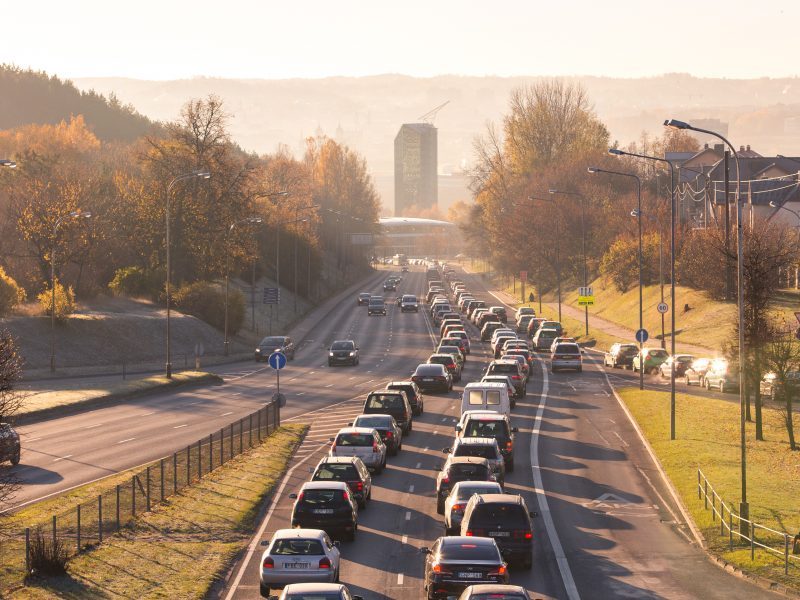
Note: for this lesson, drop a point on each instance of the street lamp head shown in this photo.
(254, 220)
(675, 124)
(636, 213)
(773, 204)
(8, 163)
(616, 152)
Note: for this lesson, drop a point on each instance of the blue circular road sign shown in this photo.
(277, 360)
(642, 335)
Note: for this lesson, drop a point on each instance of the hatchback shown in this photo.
(274, 343)
(349, 469)
(387, 428)
(363, 442)
(620, 355)
(457, 501)
(649, 360)
(363, 299)
(566, 356)
(298, 556)
(682, 362)
(449, 362)
(544, 338)
(343, 352)
(326, 505)
(504, 518)
(481, 447)
(460, 468)
(512, 369)
(453, 563)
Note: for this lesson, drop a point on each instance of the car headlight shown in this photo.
(352, 354)
(330, 353)
(258, 350)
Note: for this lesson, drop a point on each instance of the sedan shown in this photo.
(298, 556)
(435, 378)
(455, 562)
(326, 505)
(316, 591)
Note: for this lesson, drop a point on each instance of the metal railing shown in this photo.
(747, 532)
(87, 524)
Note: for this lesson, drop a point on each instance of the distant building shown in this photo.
(415, 163)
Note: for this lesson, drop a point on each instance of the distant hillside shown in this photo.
(33, 97)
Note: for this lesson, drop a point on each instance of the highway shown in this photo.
(607, 526)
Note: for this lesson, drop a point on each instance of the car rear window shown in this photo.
(504, 369)
(494, 429)
(499, 596)
(469, 471)
(465, 492)
(386, 401)
(477, 450)
(568, 349)
(658, 353)
(334, 472)
(493, 513)
(354, 439)
(372, 422)
(318, 497)
(467, 551)
(295, 547)
(409, 390)
(429, 370)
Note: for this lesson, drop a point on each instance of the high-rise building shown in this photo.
(415, 163)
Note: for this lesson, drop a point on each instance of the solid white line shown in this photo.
(226, 414)
(179, 426)
(128, 440)
(87, 427)
(148, 414)
(558, 550)
(399, 579)
(257, 538)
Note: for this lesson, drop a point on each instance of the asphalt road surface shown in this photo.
(607, 527)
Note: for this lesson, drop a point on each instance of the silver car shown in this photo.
(363, 442)
(457, 501)
(316, 591)
(298, 556)
(481, 448)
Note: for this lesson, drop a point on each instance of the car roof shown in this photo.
(313, 588)
(462, 460)
(298, 533)
(501, 499)
(338, 459)
(324, 485)
(484, 384)
(503, 361)
(452, 540)
(489, 588)
(355, 430)
(476, 441)
(483, 415)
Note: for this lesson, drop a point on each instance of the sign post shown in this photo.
(277, 360)
(585, 296)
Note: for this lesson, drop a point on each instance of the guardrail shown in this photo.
(732, 526)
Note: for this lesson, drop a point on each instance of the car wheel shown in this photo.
(707, 385)
(580, 369)
(264, 591)
(362, 504)
(688, 382)
(513, 403)
(379, 468)
(330, 364)
(336, 577)
(654, 371)
(16, 457)
(393, 451)
(351, 535)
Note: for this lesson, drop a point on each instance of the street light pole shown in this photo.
(744, 508)
(278, 261)
(75, 214)
(638, 214)
(199, 174)
(672, 219)
(558, 257)
(253, 220)
(583, 245)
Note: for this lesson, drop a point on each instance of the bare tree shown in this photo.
(781, 354)
(10, 402)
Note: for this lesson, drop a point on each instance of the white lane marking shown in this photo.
(426, 449)
(179, 426)
(299, 394)
(408, 515)
(63, 457)
(148, 414)
(624, 443)
(192, 403)
(311, 372)
(87, 427)
(558, 549)
(435, 432)
(329, 385)
(235, 394)
(33, 440)
(419, 464)
(128, 440)
(411, 489)
(399, 579)
(444, 419)
(404, 539)
(226, 414)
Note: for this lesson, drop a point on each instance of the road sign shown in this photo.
(662, 307)
(586, 300)
(272, 295)
(642, 335)
(585, 291)
(277, 360)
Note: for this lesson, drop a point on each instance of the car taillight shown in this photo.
(458, 507)
(389, 435)
(501, 570)
(375, 447)
(475, 532)
(509, 445)
(268, 563)
(515, 377)
(325, 563)
(300, 497)
(446, 479)
(333, 446)
(415, 378)
(345, 496)
(521, 534)
(439, 569)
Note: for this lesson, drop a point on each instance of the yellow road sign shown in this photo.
(586, 300)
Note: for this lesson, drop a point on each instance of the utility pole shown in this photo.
(728, 285)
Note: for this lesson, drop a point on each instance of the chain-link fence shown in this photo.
(90, 522)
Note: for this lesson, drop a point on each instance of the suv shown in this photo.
(390, 402)
(343, 352)
(376, 306)
(387, 428)
(10, 448)
(413, 394)
(274, 343)
(457, 501)
(481, 447)
(544, 338)
(349, 469)
(620, 355)
(326, 505)
(409, 303)
(506, 519)
(460, 468)
(487, 424)
(363, 442)
(512, 369)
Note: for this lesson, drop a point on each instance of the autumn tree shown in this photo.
(782, 356)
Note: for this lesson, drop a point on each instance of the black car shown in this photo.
(455, 562)
(387, 428)
(343, 352)
(9, 444)
(390, 285)
(326, 505)
(460, 468)
(620, 355)
(376, 306)
(504, 518)
(391, 402)
(349, 469)
(363, 298)
(413, 394)
(434, 378)
(274, 343)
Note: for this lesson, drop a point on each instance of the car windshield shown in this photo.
(494, 429)
(429, 370)
(342, 346)
(478, 450)
(354, 439)
(409, 298)
(385, 401)
(335, 472)
(373, 421)
(568, 349)
(295, 547)
(510, 515)
(468, 551)
(507, 368)
(272, 341)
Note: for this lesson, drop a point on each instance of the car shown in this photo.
(524, 310)
(449, 330)
(489, 317)
(649, 360)
(343, 352)
(404, 269)
(476, 314)
(409, 303)
(274, 343)
(376, 306)
(524, 353)
(512, 370)
(553, 325)
(473, 306)
(460, 468)
(413, 394)
(506, 519)
(431, 377)
(390, 402)
(523, 322)
(498, 345)
(390, 285)
(463, 336)
(450, 363)
(771, 386)
(457, 501)
(484, 591)
(349, 469)
(620, 355)
(298, 556)
(696, 371)
(682, 362)
(523, 362)
(559, 340)
(566, 355)
(387, 428)
(500, 311)
(316, 591)
(533, 326)
(543, 338)
(363, 298)
(447, 322)
(488, 329)
(326, 505)
(458, 342)
(506, 381)
(10, 447)
(490, 424)
(455, 562)
(721, 376)
(482, 447)
(363, 442)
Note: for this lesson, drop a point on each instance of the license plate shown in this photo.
(470, 575)
(499, 534)
(428, 379)
(296, 565)
(323, 511)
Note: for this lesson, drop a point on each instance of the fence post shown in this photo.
(705, 493)
(713, 507)
(699, 493)
(241, 436)
(174, 472)
(250, 430)
(210, 452)
(27, 550)
(79, 529)
(188, 465)
(222, 446)
(259, 425)
(199, 459)
(147, 487)
(785, 554)
(118, 487)
(730, 530)
(54, 531)
(231, 440)
(161, 467)
(133, 495)
(100, 519)
(752, 540)
(721, 517)
(276, 408)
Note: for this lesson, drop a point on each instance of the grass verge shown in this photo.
(46, 404)
(708, 438)
(183, 546)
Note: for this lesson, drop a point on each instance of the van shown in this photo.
(486, 396)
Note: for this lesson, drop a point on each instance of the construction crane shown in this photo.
(429, 116)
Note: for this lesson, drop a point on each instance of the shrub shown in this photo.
(620, 264)
(11, 294)
(48, 557)
(135, 281)
(206, 301)
(65, 301)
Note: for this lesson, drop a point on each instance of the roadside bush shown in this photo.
(620, 264)
(48, 557)
(206, 301)
(65, 301)
(135, 281)
(11, 294)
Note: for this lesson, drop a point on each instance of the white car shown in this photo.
(559, 340)
(363, 442)
(566, 355)
(298, 556)
(323, 591)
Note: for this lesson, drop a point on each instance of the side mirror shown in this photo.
(533, 513)
(424, 550)
(514, 430)
(447, 450)
(265, 543)
(458, 427)
(330, 439)
(293, 496)
(350, 424)
(357, 597)
(336, 544)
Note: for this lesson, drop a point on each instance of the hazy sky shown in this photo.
(172, 39)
